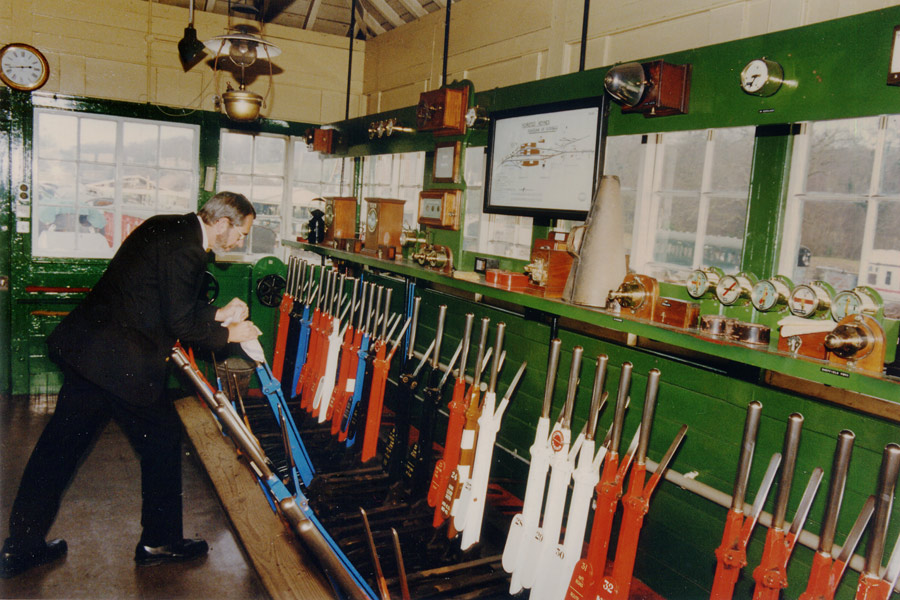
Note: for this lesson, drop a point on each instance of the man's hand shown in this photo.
(243, 331)
(233, 312)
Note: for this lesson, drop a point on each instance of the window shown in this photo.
(685, 198)
(255, 166)
(98, 177)
(497, 235)
(395, 176)
(314, 176)
(844, 207)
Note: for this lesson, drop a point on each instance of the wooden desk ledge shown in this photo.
(285, 568)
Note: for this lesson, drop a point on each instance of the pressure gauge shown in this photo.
(861, 299)
(771, 294)
(701, 280)
(811, 299)
(732, 288)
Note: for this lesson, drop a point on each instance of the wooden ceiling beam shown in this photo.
(387, 12)
(312, 14)
(414, 8)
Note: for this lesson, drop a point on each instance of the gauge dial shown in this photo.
(861, 299)
(372, 219)
(770, 294)
(810, 299)
(732, 288)
(701, 280)
(846, 303)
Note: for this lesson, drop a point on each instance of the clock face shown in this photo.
(761, 77)
(372, 219)
(23, 67)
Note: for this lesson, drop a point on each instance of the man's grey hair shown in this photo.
(229, 205)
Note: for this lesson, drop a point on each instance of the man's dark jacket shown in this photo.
(150, 296)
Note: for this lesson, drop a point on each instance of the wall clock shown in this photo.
(762, 77)
(23, 67)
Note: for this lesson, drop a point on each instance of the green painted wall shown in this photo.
(709, 394)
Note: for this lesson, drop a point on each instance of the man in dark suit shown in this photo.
(113, 350)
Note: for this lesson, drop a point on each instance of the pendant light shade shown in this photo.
(190, 49)
(242, 48)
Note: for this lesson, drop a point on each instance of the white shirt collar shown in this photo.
(203, 230)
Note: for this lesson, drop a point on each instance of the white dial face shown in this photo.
(845, 303)
(804, 301)
(372, 219)
(769, 294)
(729, 290)
(754, 76)
(698, 283)
(23, 67)
(764, 295)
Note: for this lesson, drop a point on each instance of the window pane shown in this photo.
(625, 159)
(57, 136)
(307, 165)
(732, 159)
(56, 182)
(887, 226)
(97, 185)
(841, 155)
(269, 156)
(725, 233)
(98, 140)
(474, 171)
(833, 233)
(267, 194)
(676, 230)
(176, 147)
(239, 184)
(264, 237)
(890, 173)
(727, 217)
(235, 152)
(175, 193)
(683, 157)
(140, 143)
(139, 187)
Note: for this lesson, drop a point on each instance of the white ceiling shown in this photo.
(373, 17)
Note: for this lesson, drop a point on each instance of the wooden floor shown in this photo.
(285, 569)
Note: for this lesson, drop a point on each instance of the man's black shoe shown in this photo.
(15, 560)
(181, 551)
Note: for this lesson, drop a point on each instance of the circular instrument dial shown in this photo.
(701, 280)
(810, 299)
(846, 303)
(732, 288)
(372, 219)
(770, 294)
(860, 299)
